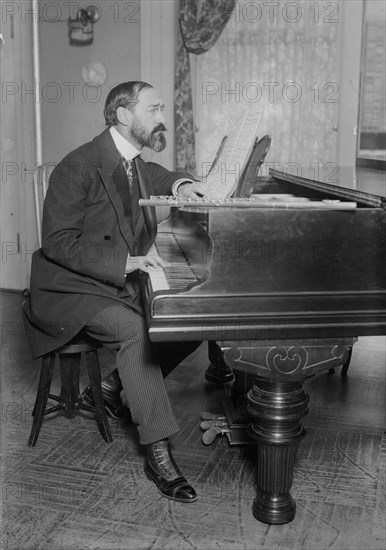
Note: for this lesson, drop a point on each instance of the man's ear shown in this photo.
(124, 116)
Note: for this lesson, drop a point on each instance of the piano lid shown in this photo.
(361, 185)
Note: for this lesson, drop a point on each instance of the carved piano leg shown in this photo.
(276, 409)
(276, 403)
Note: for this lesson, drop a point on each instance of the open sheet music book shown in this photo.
(233, 155)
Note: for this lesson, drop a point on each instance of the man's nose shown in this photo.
(160, 117)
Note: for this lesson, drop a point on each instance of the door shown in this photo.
(18, 96)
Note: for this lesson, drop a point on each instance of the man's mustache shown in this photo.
(159, 128)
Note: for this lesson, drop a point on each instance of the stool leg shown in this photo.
(45, 379)
(94, 374)
(70, 397)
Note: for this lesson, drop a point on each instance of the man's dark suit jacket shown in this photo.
(87, 235)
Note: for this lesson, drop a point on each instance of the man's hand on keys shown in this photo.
(152, 260)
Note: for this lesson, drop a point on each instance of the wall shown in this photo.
(71, 110)
(158, 52)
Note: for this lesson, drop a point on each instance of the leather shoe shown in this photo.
(161, 468)
(218, 374)
(111, 391)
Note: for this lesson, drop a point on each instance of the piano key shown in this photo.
(158, 279)
(178, 274)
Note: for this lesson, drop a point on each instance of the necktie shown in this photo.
(145, 189)
(132, 204)
(128, 165)
(137, 188)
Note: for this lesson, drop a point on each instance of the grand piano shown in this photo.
(284, 281)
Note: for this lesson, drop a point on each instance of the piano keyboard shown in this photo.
(178, 274)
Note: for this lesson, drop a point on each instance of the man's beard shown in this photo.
(154, 140)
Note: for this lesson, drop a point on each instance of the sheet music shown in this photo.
(234, 152)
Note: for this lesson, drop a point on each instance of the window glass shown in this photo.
(372, 120)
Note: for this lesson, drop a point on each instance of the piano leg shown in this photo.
(346, 364)
(218, 371)
(276, 409)
(277, 402)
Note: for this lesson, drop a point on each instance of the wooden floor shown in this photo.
(74, 491)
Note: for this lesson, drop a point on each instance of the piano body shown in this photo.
(284, 285)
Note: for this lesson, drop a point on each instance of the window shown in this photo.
(372, 120)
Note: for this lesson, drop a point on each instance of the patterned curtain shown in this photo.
(201, 23)
(281, 58)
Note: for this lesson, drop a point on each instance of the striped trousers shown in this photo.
(123, 332)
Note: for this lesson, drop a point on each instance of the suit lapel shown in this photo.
(111, 172)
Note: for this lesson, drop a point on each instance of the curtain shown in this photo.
(282, 58)
(201, 23)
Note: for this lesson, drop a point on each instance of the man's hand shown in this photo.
(194, 190)
(145, 263)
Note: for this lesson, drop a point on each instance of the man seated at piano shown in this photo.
(96, 241)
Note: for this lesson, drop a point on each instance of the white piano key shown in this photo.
(158, 279)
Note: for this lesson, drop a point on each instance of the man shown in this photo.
(96, 240)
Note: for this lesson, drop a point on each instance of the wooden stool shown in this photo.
(70, 400)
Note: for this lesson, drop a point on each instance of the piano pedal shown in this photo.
(208, 424)
(205, 415)
(213, 427)
(210, 435)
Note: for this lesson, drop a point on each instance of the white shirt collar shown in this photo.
(125, 148)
